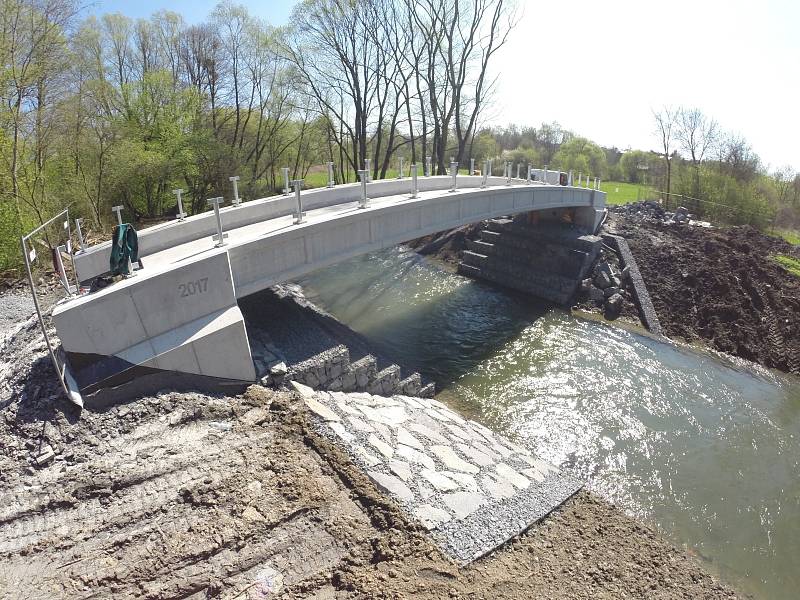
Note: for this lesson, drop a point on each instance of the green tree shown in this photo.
(580, 155)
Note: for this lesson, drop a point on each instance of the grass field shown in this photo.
(319, 178)
(623, 193)
(789, 263)
(618, 192)
(793, 237)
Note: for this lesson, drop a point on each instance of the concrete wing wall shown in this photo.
(185, 319)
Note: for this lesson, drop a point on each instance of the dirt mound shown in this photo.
(721, 286)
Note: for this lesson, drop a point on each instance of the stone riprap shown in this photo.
(470, 488)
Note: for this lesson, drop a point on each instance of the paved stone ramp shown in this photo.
(472, 489)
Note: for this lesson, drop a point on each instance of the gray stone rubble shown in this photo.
(653, 212)
(471, 488)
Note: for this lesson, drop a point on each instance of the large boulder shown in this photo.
(613, 306)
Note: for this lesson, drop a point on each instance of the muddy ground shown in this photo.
(196, 496)
(720, 287)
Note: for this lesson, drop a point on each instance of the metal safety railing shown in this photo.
(723, 213)
(30, 255)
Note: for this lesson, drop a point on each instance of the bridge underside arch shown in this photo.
(180, 314)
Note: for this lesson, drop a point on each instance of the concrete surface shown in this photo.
(469, 487)
(186, 277)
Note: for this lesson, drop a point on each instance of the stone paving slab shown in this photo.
(470, 488)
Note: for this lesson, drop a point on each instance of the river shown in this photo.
(704, 447)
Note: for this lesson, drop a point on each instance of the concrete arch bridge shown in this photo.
(179, 313)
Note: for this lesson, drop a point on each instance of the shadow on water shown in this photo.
(420, 316)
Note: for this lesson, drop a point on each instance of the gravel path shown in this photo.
(17, 308)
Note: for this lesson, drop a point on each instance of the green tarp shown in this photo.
(124, 249)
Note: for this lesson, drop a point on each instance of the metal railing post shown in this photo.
(363, 201)
(181, 215)
(80, 234)
(220, 237)
(235, 181)
(414, 188)
(118, 210)
(299, 215)
(285, 180)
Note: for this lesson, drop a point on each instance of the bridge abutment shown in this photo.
(545, 255)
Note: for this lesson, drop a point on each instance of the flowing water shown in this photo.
(704, 447)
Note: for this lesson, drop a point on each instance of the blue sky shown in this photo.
(275, 11)
(599, 68)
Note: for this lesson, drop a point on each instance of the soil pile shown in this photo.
(722, 287)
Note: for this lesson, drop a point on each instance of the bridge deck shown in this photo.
(248, 233)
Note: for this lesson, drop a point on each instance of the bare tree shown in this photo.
(696, 134)
(665, 126)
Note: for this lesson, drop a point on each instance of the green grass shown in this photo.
(793, 237)
(789, 263)
(624, 193)
(319, 178)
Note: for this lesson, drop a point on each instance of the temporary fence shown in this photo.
(47, 252)
(721, 213)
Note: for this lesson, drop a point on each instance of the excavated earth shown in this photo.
(720, 287)
(196, 496)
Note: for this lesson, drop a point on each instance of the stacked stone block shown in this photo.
(546, 260)
(332, 370)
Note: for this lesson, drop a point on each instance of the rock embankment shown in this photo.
(653, 212)
(607, 287)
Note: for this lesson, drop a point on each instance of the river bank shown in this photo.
(196, 496)
(717, 287)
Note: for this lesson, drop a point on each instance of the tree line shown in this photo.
(102, 111)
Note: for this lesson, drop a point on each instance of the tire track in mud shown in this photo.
(178, 511)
